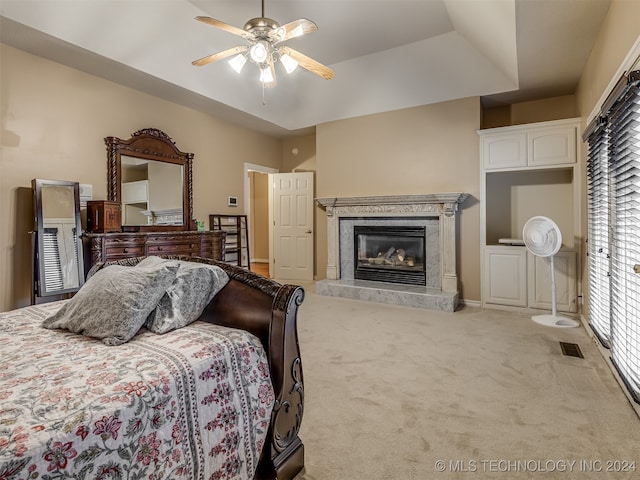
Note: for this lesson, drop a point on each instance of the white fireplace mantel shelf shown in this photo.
(442, 198)
(436, 205)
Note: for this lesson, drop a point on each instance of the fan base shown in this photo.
(555, 321)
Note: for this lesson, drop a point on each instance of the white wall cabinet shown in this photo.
(515, 277)
(529, 170)
(507, 150)
(505, 276)
(548, 143)
(551, 146)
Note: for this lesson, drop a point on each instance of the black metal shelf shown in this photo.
(236, 248)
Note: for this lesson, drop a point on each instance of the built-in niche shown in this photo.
(514, 197)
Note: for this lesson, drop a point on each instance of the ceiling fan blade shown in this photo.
(226, 27)
(308, 63)
(295, 29)
(220, 55)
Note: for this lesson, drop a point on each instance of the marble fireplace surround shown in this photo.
(437, 212)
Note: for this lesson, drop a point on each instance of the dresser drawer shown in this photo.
(114, 246)
(124, 250)
(173, 248)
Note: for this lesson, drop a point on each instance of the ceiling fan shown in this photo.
(264, 48)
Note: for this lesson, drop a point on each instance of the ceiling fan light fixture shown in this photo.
(259, 51)
(237, 62)
(264, 36)
(267, 76)
(289, 63)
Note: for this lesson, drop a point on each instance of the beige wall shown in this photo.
(553, 108)
(54, 120)
(619, 33)
(299, 154)
(425, 149)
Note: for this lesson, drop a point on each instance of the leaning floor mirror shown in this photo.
(58, 262)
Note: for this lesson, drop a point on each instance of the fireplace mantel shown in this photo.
(430, 198)
(442, 206)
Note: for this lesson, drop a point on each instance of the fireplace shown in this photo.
(390, 254)
(377, 274)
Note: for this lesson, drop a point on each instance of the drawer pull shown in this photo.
(159, 249)
(125, 250)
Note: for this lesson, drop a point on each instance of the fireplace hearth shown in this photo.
(390, 254)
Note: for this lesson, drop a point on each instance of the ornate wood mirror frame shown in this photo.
(154, 145)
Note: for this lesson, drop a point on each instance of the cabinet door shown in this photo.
(551, 146)
(539, 281)
(505, 276)
(507, 150)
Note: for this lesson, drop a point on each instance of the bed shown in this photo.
(220, 398)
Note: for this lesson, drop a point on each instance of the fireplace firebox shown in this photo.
(390, 254)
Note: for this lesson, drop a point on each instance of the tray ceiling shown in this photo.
(387, 55)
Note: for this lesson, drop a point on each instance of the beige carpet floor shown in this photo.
(398, 393)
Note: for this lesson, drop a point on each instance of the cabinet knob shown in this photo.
(636, 268)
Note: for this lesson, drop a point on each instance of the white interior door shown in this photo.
(292, 211)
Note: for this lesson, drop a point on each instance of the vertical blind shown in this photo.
(613, 169)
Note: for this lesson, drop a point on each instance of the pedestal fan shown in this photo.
(542, 237)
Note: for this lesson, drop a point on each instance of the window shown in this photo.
(613, 169)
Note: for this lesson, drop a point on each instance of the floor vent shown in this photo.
(571, 349)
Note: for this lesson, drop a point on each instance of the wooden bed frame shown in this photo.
(268, 310)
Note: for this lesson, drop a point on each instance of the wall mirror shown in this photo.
(151, 178)
(58, 266)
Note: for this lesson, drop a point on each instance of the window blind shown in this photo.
(624, 164)
(613, 217)
(52, 267)
(598, 232)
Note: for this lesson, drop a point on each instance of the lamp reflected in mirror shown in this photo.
(58, 261)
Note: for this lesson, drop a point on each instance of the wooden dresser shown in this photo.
(105, 247)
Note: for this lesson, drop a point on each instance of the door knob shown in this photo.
(308, 231)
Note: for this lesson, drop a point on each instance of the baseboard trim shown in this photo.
(469, 303)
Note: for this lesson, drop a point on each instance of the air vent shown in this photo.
(571, 349)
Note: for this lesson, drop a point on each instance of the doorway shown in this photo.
(279, 209)
(256, 200)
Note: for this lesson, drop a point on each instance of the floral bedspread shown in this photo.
(190, 404)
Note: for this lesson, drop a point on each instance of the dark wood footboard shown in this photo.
(268, 310)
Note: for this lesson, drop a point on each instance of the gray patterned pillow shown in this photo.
(115, 302)
(192, 290)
